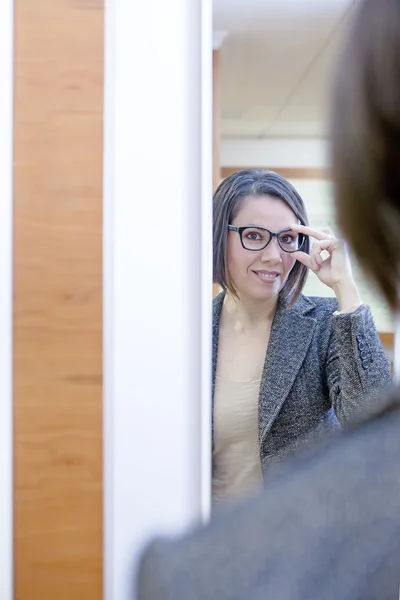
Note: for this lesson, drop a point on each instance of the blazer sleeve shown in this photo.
(357, 367)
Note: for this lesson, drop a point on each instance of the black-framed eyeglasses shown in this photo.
(255, 238)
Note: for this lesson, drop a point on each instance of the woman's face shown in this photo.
(260, 275)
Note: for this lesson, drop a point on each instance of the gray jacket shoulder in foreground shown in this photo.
(321, 372)
(327, 528)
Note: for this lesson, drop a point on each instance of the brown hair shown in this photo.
(366, 142)
(228, 199)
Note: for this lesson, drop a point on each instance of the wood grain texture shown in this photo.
(216, 131)
(387, 339)
(58, 130)
(287, 172)
(216, 119)
(216, 289)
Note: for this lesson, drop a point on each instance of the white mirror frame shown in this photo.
(157, 277)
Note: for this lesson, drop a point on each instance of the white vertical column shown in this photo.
(205, 250)
(6, 176)
(157, 276)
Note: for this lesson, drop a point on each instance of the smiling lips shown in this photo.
(267, 275)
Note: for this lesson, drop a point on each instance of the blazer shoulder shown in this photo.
(323, 306)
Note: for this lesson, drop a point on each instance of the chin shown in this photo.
(259, 291)
(264, 294)
(269, 294)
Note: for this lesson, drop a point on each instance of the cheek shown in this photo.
(237, 258)
(289, 263)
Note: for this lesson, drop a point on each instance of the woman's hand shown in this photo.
(334, 270)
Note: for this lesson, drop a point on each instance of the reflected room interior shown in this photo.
(273, 66)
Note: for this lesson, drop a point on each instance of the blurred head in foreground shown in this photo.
(366, 142)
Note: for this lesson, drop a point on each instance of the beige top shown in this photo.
(236, 455)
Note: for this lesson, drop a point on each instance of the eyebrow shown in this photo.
(262, 227)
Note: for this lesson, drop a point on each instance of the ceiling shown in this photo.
(276, 65)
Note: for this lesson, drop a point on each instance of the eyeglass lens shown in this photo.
(254, 238)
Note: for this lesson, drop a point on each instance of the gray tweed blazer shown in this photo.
(326, 528)
(321, 372)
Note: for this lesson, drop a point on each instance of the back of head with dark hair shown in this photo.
(366, 142)
(228, 199)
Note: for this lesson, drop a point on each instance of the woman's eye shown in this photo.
(287, 239)
(253, 236)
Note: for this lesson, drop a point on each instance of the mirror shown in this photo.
(283, 376)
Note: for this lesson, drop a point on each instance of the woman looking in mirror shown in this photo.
(329, 526)
(287, 369)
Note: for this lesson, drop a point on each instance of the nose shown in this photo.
(272, 253)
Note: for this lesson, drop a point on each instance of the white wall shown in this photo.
(6, 104)
(157, 276)
(274, 153)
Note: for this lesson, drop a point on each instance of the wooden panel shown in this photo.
(287, 172)
(58, 299)
(216, 119)
(387, 339)
(216, 290)
(216, 131)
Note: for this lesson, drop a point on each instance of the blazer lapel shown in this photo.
(217, 308)
(290, 338)
(291, 334)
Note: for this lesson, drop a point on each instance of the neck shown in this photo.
(250, 313)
